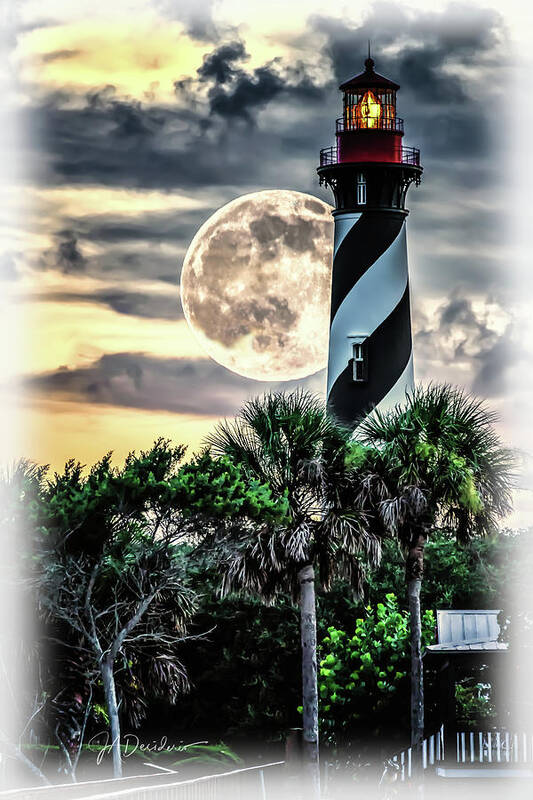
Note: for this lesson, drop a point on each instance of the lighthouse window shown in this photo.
(359, 362)
(361, 189)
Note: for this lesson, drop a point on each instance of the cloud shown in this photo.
(236, 94)
(133, 259)
(173, 226)
(8, 268)
(416, 47)
(197, 15)
(59, 55)
(119, 238)
(203, 141)
(137, 380)
(494, 364)
(119, 299)
(122, 143)
(220, 64)
(468, 344)
(446, 63)
(66, 256)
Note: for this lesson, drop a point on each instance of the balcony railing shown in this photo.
(329, 156)
(360, 123)
(411, 155)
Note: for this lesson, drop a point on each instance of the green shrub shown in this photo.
(363, 677)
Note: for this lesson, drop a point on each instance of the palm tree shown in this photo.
(288, 442)
(435, 461)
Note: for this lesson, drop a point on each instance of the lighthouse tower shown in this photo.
(369, 171)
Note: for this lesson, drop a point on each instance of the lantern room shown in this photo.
(369, 100)
(368, 167)
(369, 129)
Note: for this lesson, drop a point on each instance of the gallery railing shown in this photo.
(409, 155)
(361, 123)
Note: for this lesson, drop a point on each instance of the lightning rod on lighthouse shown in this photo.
(369, 170)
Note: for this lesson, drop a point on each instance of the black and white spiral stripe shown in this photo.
(370, 298)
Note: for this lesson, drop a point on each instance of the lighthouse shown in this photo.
(370, 360)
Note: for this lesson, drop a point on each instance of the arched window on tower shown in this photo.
(361, 189)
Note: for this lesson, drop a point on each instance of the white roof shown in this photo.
(468, 631)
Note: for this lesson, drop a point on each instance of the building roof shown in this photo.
(468, 648)
(463, 631)
(369, 79)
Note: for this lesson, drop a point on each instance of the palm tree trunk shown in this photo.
(306, 577)
(414, 571)
(112, 709)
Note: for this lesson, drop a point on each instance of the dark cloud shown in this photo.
(438, 59)
(220, 64)
(135, 380)
(160, 226)
(248, 93)
(426, 44)
(131, 265)
(125, 144)
(129, 253)
(117, 236)
(59, 55)
(236, 94)
(457, 132)
(133, 304)
(66, 255)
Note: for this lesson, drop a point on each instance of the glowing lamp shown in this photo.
(368, 111)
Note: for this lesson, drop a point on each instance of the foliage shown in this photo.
(363, 676)
(245, 674)
(86, 508)
(475, 709)
(219, 487)
(456, 575)
(288, 442)
(434, 462)
(111, 576)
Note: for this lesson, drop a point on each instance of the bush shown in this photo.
(363, 678)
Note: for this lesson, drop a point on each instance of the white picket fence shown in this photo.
(481, 747)
(494, 747)
(402, 765)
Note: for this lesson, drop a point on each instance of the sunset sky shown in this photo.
(129, 127)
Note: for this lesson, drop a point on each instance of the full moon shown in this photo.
(255, 285)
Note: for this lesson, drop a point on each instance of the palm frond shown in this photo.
(438, 456)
